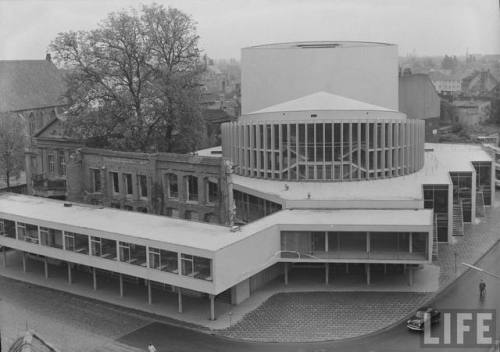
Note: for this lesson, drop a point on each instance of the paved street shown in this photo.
(67, 321)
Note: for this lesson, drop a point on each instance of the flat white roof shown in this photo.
(153, 227)
(189, 233)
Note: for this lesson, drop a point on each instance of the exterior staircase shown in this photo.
(458, 219)
(480, 207)
(435, 245)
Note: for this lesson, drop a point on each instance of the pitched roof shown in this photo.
(321, 101)
(29, 84)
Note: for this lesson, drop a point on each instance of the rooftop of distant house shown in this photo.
(30, 84)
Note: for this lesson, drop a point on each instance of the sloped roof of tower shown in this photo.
(328, 102)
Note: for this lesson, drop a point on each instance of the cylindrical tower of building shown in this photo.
(275, 73)
(324, 137)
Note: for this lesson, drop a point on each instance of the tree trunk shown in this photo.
(7, 174)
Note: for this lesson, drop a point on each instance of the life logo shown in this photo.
(461, 328)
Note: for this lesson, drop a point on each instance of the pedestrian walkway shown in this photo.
(316, 316)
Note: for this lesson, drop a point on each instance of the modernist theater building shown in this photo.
(324, 181)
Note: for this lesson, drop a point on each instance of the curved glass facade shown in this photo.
(324, 150)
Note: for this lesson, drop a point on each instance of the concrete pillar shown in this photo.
(94, 279)
(240, 292)
(410, 243)
(179, 299)
(410, 276)
(24, 262)
(286, 273)
(70, 279)
(150, 293)
(120, 278)
(327, 273)
(212, 307)
(46, 268)
(367, 274)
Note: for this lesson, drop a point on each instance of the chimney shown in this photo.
(48, 57)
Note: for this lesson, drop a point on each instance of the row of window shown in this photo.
(153, 258)
(171, 182)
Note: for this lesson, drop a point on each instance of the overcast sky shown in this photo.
(426, 27)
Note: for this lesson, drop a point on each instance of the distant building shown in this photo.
(418, 99)
(472, 112)
(479, 84)
(32, 90)
(446, 84)
(177, 185)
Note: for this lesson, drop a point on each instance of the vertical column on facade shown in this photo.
(383, 148)
(323, 174)
(24, 261)
(179, 299)
(410, 243)
(150, 292)
(375, 150)
(70, 276)
(17, 232)
(391, 149)
(39, 235)
(94, 279)
(396, 148)
(327, 273)
(368, 279)
(45, 268)
(273, 151)
(258, 147)
(351, 150)
(333, 150)
(306, 149)
(404, 134)
(315, 145)
(297, 142)
(266, 149)
(415, 145)
(368, 246)
(288, 163)
(120, 282)
(241, 163)
(359, 150)
(367, 149)
(412, 148)
(212, 306)
(234, 143)
(286, 273)
(341, 151)
(252, 150)
(245, 149)
(280, 150)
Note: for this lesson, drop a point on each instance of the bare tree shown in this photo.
(134, 81)
(12, 142)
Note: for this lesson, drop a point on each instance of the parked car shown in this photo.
(422, 317)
